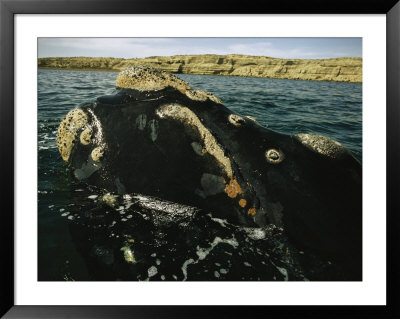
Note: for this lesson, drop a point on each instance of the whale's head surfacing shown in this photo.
(160, 137)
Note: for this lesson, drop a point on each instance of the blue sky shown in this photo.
(291, 48)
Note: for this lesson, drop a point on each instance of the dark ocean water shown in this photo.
(141, 245)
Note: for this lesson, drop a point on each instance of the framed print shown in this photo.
(226, 158)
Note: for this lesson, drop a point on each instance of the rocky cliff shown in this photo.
(336, 69)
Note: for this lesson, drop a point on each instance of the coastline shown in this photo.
(332, 70)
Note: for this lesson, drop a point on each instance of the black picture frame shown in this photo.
(8, 8)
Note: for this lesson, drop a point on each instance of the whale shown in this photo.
(158, 136)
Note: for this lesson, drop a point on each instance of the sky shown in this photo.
(285, 48)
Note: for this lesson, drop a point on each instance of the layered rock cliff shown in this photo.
(335, 69)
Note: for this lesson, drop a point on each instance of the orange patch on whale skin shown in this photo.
(252, 211)
(233, 189)
(242, 203)
(182, 90)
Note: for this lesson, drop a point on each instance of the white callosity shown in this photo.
(322, 145)
(68, 130)
(187, 116)
(144, 78)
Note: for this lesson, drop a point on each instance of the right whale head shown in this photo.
(160, 137)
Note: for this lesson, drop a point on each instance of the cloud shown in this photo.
(143, 47)
(269, 49)
(115, 47)
(122, 47)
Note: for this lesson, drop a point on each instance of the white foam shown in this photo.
(128, 204)
(255, 233)
(222, 222)
(160, 205)
(202, 253)
(152, 271)
(184, 267)
(284, 272)
(98, 139)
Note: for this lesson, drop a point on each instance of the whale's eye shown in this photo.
(235, 119)
(274, 156)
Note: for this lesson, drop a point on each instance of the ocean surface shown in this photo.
(135, 243)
